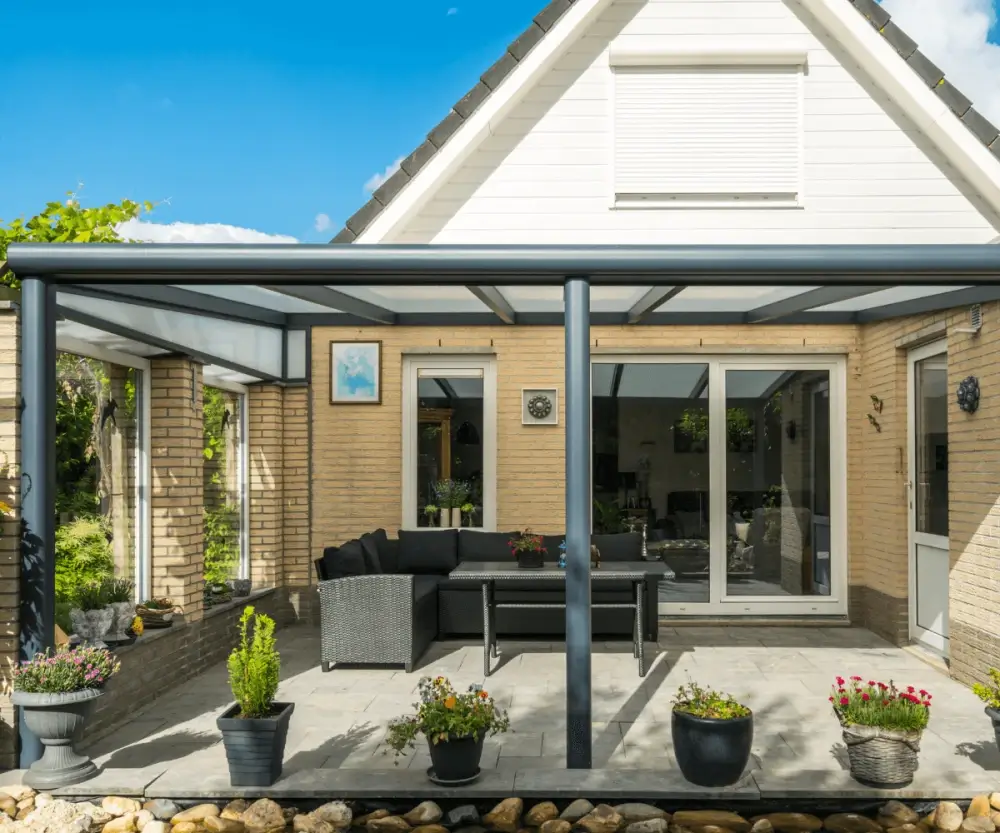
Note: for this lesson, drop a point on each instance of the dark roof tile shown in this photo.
(546, 19)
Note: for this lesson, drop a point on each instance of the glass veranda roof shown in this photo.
(246, 308)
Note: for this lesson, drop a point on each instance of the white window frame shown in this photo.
(142, 577)
(747, 57)
(719, 603)
(442, 364)
(243, 469)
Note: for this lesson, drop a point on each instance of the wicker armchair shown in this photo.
(377, 619)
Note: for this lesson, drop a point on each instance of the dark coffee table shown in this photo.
(490, 572)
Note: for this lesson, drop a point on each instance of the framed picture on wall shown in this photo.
(355, 372)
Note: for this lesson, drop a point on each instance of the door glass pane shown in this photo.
(223, 486)
(777, 483)
(450, 430)
(651, 466)
(98, 416)
(931, 475)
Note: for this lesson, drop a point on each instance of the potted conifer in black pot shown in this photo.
(255, 727)
(712, 734)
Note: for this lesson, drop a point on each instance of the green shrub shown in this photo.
(706, 702)
(119, 590)
(254, 665)
(989, 694)
(222, 544)
(83, 557)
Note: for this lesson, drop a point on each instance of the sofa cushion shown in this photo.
(424, 586)
(430, 552)
(369, 549)
(624, 546)
(346, 560)
(552, 542)
(484, 546)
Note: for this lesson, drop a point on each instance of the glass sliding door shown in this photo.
(734, 469)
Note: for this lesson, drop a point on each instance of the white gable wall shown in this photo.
(545, 174)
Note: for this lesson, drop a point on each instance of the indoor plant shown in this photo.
(91, 617)
(882, 726)
(119, 595)
(255, 727)
(990, 695)
(443, 490)
(528, 549)
(460, 491)
(55, 693)
(431, 511)
(712, 734)
(455, 726)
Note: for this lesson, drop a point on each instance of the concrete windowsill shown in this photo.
(218, 610)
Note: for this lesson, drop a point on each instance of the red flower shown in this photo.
(840, 680)
(856, 679)
(910, 689)
(844, 701)
(831, 698)
(883, 686)
(885, 702)
(865, 697)
(871, 682)
(928, 697)
(924, 693)
(840, 691)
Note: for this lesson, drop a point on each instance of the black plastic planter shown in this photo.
(711, 752)
(255, 747)
(456, 761)
(530, 559)
(994, 715)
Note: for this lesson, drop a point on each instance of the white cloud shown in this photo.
(954, 35)
(376, 180)
(196, 233)
(452, 11)
(323, 222)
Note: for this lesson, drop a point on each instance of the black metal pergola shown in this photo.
(309, 272)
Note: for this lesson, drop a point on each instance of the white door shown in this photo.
(927, 489)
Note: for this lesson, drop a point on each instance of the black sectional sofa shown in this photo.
(382, 600)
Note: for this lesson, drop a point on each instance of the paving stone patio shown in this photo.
(784, 674)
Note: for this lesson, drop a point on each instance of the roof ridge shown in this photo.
(981, 127)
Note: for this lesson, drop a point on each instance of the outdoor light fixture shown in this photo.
(968, 394)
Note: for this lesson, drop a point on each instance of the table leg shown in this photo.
(487, 637)
(640, 640)
(493, 621)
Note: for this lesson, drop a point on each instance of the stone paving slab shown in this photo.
(131, 783)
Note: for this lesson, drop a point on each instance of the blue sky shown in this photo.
(264, 117)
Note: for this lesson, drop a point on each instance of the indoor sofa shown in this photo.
(383, 601)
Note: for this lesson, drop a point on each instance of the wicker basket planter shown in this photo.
(882, 758)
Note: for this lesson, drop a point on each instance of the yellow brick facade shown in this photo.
(10, 523)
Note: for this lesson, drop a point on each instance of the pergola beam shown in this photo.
(422, 265)
(931, 303)
(804, 301)
(495, 300)
(651, 301)
(334, 300)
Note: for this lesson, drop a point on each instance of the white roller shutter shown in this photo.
(693, 133)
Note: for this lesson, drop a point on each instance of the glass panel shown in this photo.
(651, 465)
(97, 444)
(450, 409)
(931, 476)
(223, 485)
(777, 482)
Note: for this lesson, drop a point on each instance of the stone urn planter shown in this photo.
(122, 615)
(56, 719)
(92, 625)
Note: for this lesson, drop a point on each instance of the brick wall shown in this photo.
(164, 659)
(10, 493)
(177, 483)
(266, 484)
(297, 557)
(357, 450)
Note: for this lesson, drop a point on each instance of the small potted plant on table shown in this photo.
(882, 727)
(455, 726)
(990, 695)
(712, 735)
(255, 727)
(528, 549)
(55, 693)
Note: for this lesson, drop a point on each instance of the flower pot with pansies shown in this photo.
(712, 735)
(882, 726)
(455, 726)
(55, 693)
(990, 694)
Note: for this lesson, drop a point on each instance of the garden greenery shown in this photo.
(222, 518)
(254, 665)
(989, 694)
(880, 705)
(706, 702)
(443, 714)
(65, 672)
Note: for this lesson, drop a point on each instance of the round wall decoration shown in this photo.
(968, 394)
(539, 406)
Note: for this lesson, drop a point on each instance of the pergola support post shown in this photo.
(38, 481)
(578, 523)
